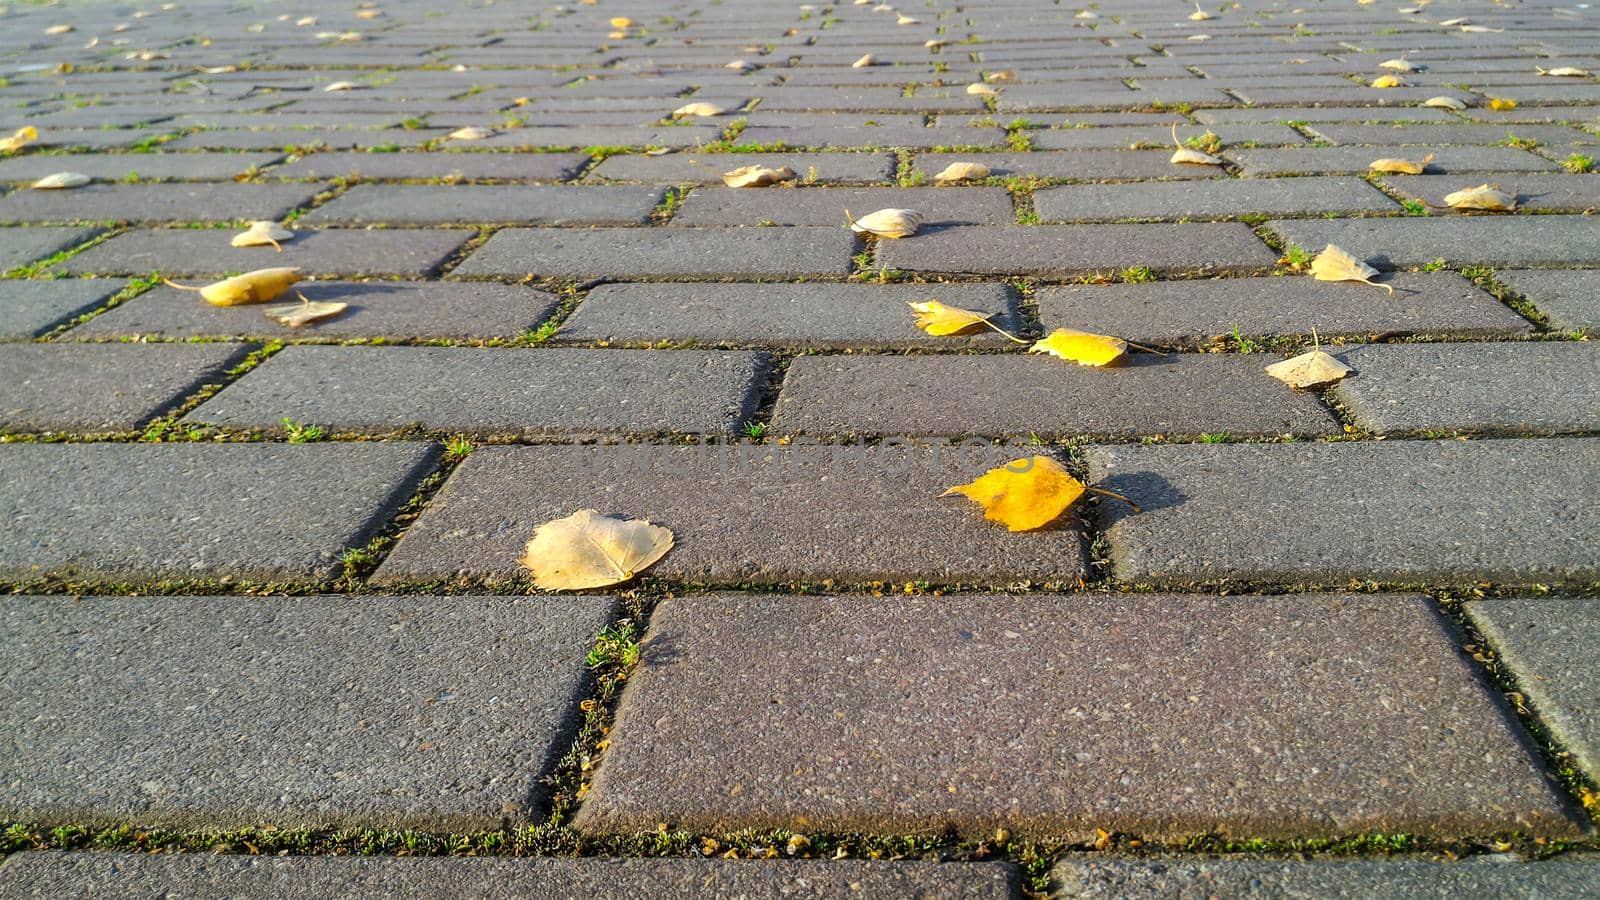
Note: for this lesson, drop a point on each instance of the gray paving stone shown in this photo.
(179, 876)
(1459, 240)
(499, 391)
(1213, 198)
(1541, 388)
(33, 307)
(20, 246)
(428, 310)
(144, 512)
(840, 136)
(1152, 136)
(1081, 165)
(742, 513)
(1358, 160)
(167, 202)
(345, 252)
(1016, 394)
(1562, 193)
(545, 204)
(580, 136)
(749, 711)
(104, 387)
(306, 139)
(1316, 114)
(1192, 312)
(449, 166)
(1547, 643)
(800, 316)
(750, 253)
(1513, 510)
(707, 168)
(826, 206)
(1066, 250)
(1568, 877)
(144, 166)
(227, 712)
(1431, 135)
(1569, 299)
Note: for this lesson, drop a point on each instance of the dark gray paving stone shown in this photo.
(1432, 135)
(1568, 877)
(20, 246)
(707, 168)
(104, 387)
(228, 712)
(1543, 387)
(1081, 165)
(742, 513)
(1199, 311)
(751, 253)
(331, 138)
(1030, 97)
(801, 316)
(50, 875)
(1065, 250)
(452, 310)
(1017, 394)
(914, 137)
(144, 166)
(1160, 136)
(1358, 160)
(1511, 510)
(170, 202)
(449, 166)
(1213, 198)
(287, 120)
(631, 136)
(1315, 114)
(111, 139)
(500, 391)
(1562, 193)
(1569, 299)
(749, 711)
(1547, 643)
(344, 252)
(826, 206)
(1459, 240)
(146, 512)
(33, 307)
(545, 204)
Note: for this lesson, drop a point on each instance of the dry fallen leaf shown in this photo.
(1500, 104)
(1397, 166)
(740, 65)
(61, 180)
(1565, 72)
(907, 20)
(1023, 494)
(588, 550)
(1086, 14)
(934, 43)
(1481, 29)
(864, 62)
(20, 138)
(341, 86)
(1188, 156)
(305, 312)
(1484, 196)
(469, 133)
(60, 29)
(306, 20)
(698, 109)
(1388, 81)
(940, 320)
(1451, 23)
(261, 234)
(1443, 102)
(981, 90)
(1310, 371)
(1334, 264)
(757, 176)
(887, 223)
(1400, 65)
(621, 22)
(1200, 15)
(1082, 347)
(962, 171)
(1001, 76)
(251, 287)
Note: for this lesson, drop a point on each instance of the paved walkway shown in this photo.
(265, 588)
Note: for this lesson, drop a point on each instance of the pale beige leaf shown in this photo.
(1001, 76)
(341, 86)
(1200, 15)
(60, 29)
(60, 181)
(981, 90)
(296, 315)
(20, 138)
(700, 109)
(962, 171)
(1309, 371)
(1085, 14)
(469, 133)
(588, 550)
(934, 43)
(1397, 166)
(262, 234)
(1400, 65)
(1335, 264)
(757, 176)
(1443, 102)
(740, 65)
(864, 62)
(1187, 156)
(1484, 196)
(1388, 81)
(887, 223)
(1565, 72)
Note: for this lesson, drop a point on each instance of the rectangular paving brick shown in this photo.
(1192, 311)
(1571, 875)
(344, 252)
(1511, 510)
(448, 166)
(146, 512)
(46, 874)
(33, 307)
(1214, 198)
(801, 316)
(453, 310)
(1460, 240)
(750, 253)
(1066, 250)
(1081, 165)
(827, 206)
(20, 246)
(747, 712)
(303, 140)
(1547, 645)
(1015, 394)
(143, 166)
(707, 168)
(228, 712)
(1562, 193)
(500, 391)
(172, 202)
(1431, 135)
(1542, 387)
(1160, 136)
(1358, 160)
(914, 137)
(742, 514)
(579, 136)
(420, 204)
(1569, 299)
(104, 387)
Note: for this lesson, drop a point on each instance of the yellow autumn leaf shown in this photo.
(757, 176)
(1484, 196)
(1200, 15)
(1335, 264)
(1081, 347)
(621, 22)
(341, 86)
(938, 319)
(1023, 494)
(259, 286)
(1397, 166)
(1388, 81)
(907, 20)
(962, 171)
(305, 312)
(1309, 371)
(588, 550)
(20, 138)
(980, 89)
(1499, 104)
(261, 234)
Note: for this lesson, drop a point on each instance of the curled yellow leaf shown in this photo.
(1081, 347)
(1024, 494)
(1400, 65)
(588, 550)
(1388, 81)
(1484, 196)
(962, 171)
(1500, 104)
(20, 138)
(757, 176)
(907, 20)
(259, 286)
(940, 320)
(1001, 76)
(1397, 166)
(1335, 264)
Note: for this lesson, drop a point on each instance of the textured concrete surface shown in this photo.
(1210, 199)
(1463, 240)
(20, 246)
(410, 712)
(466, 204)
(1571, 299)
(107, 387)
(33, 308)
(827, 206)
(748, 253)
(157, 203)
(344, 252)
(704, 168)
(1064, 250)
